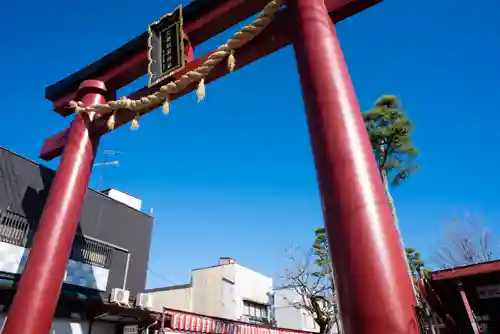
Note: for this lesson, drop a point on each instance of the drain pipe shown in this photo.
(162, 329)
(125, 276)
(147, 328)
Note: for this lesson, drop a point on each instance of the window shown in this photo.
(17, 230)
(257, 313)
(91, 251)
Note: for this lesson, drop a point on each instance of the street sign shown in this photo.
(488, 291)
(165, 46)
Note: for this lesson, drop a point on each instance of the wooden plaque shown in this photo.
(165, 46)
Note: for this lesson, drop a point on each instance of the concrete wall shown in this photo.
(230, 304)
(203, 295)
(251, 286)
(66, 326)
(207, 292)
(178, 298)
(24, 186)
(217, 291)
(288, 316)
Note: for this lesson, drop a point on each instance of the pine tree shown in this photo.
(415, 262)
(321, 251)
(390, 131)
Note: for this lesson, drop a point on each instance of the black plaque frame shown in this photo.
(165, 46)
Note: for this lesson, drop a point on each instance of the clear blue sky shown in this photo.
(233, 176)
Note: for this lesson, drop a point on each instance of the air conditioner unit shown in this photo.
(119, 296)
(144, 300)
(130, 329)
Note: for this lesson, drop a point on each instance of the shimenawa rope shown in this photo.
(225, 51)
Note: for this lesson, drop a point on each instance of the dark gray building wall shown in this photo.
(24, 187)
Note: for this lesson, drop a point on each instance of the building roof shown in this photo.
(486, 269)
(168, 288)
(442, 290)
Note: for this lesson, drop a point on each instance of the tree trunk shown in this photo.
(335, 297)
(323, 327)
(330, 268)
(332, 278)
(336, 325)
(392, 206)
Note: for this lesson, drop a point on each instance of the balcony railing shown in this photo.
(91, 251)
(17, 230)
(14, 228)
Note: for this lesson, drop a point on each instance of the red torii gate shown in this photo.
(374, 289)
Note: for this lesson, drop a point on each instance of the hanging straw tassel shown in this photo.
(135, 122)
(77, 106)
(74, 105)
(166, 105)
(201, 90)
(111, 121)
(231, 61)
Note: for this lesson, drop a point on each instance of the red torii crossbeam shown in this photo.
(373, 286)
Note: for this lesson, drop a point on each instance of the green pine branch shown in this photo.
(390, 133)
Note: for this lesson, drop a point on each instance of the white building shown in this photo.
(288, 316)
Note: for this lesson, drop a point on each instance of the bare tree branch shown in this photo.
(466, 241)
(316, 292)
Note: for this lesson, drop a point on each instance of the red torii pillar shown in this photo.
(38, 290)
(375, 294)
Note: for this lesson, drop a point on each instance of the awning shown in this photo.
(188, 322)
(121, 314)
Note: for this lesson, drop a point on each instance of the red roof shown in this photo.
(441, 290)
(470, 270)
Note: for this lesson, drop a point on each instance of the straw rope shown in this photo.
(225, 51)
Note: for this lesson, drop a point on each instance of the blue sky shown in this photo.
(233, 176)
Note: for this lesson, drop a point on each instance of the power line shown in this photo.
(161, 277)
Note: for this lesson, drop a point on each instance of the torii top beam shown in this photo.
(202, 20)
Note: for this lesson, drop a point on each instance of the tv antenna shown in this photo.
(108, 154)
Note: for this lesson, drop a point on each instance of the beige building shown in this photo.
(226, 290)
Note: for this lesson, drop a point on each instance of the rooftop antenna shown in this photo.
(107, 156)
